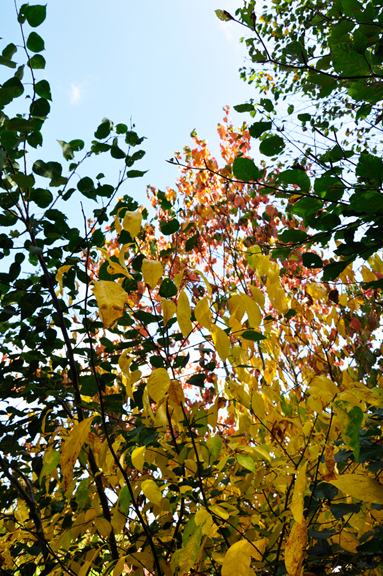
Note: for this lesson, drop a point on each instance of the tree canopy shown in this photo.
(195, 386)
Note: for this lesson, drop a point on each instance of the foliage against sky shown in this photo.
(196, 398)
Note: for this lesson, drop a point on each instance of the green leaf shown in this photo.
(223, 15)
(23, 180)
(135, 173)
(370, 168)
(214, 445)
(363, 111)
(37, 62)
(295, 177)
(40, 108)
(43, 198)
(259, 128)
(352, 430)
(121, 128)
(86, 187)
(272, 146)
(304, 117)
(348, 62)
(89, 386)
(311, 260)
(307, 207)
(43, 90)
(267, 104)
(35, 15)
(343, 509)
(77, 146)
(124, 500)
(245, 170)
(35, 43)
(247, 462)
(7, 62)
(293, 235)
(253, 336)
(244, 108)
(50, 170)
(67, 150)
(168, 288)
(169, 227)
(191, 242)
(117, 153)
(104, 129)
(332, 271)
(197, 380)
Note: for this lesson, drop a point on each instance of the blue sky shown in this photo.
(168, 66)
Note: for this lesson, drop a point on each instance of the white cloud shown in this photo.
(75, 94)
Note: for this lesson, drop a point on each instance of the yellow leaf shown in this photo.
(158, 384)
(111, 298)
(132, 223)
(237, 559)
(296, 505)
(152, 271)
(113, 267)
(176, 392)
(323, 388)
(347, 541)
(236, 307)
(168, 309)
(258, 404)
(253, 312)
(138, 457)
(258, 296)
(207, 283)
(219, 511)
(84, 568)
(296, 548)
(59, 276)
(259, 548)
(221, 341)
(277, 296)
(152, 492)
(119, 567)
(184, 314)
(201, 516)
(360, 487)
(103, 526)
(202, 313)
(316, 291)
(72, 447)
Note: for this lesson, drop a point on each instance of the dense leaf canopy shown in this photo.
(195, 386)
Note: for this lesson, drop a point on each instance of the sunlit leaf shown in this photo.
(111, 298)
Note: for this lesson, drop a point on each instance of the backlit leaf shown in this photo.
(168, 309)
(360, 487)
(152, 491)
(152, 271)
(184, 314)
(138, 457)
(132, 223)
(296, 548)
(296, 506)
(202, 313)
(221, 341)
(237, 559)
(72, 447)
(158, 384)
(111, 298)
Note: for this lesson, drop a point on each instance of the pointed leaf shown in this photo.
(152, 271)
(158, 384)
(111, 298)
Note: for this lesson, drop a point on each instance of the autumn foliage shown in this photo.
(202, 402)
